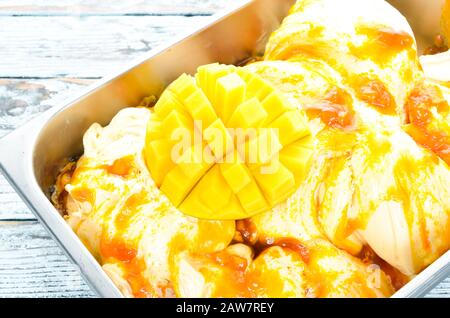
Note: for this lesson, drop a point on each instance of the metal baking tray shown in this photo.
(31, 156)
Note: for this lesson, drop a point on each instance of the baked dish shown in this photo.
(320, 169)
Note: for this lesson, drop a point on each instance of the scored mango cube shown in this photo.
(157, 158)
(200, 109)
(208, 76)
(183, 86)
(176, 123)
(180, 180)
(192, 163)
(257, 86)
(213, 190)
(296, 157)
(195, 207)
(263, 148)
(236, 174)
(176, 185)
(292, 126)
(212, 199)
(201, 76)
(154, 130)
(249, 114)
(252, 199)
(168, 102)
(232, 211)
(230, 92)
(276, 181)
(248, 149)
(218, 139)
(275, 104)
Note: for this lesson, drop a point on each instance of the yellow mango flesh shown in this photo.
(276, 181)
(297, 157)
(218, 139)
(236, 174)
(159, 153)
(230, 93)
(262, 148)
(252, 199)
(225, 144)
(249, 114)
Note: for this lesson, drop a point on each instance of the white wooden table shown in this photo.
(49, 49)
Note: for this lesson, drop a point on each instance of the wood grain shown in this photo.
(112, 7)
(21, 100)
(11, 206)
(32, 265)
(441, 291)
(90, 47)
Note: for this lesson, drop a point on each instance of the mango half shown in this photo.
(225, 144)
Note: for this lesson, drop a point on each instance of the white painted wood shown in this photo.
(112, 7)
(32, 265)
(11, 206)
(442, 290)
(81, 46)
(21, 100)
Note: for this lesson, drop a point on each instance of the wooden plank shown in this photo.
(11, 206)
(41, 47)
(113, 7)
(442, 290)
(21, 100)
(32, 265)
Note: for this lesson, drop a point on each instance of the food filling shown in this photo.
(320, 170)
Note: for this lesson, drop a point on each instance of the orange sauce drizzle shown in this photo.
(230, 261)
(118, 249)
(235, 281)
(423, 126)
(247, 230)
(125, 252)
(405, 172)
(335, 109)
(299, 45)
(122, 167)
(133, 202)
(140, 287)
(284, 242)
(133, 267)
(83, 194)
(382, 44)
(249, 234)
(374, 93)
